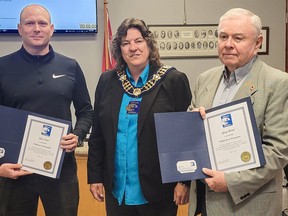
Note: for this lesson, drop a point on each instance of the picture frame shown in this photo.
(186, 41)
(193, 41)
(264, 49)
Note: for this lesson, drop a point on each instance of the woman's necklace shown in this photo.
(136, 92)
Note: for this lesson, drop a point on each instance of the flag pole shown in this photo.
(106, 35)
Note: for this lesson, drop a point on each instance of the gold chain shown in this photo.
(136, 92)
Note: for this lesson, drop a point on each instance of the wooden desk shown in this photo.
(88, 206)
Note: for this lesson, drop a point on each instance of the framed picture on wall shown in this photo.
(193, 41)
(186, 41)
(264, 49)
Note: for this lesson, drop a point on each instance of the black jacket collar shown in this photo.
(37, 58)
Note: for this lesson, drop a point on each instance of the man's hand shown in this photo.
(201, 110)
(69, 142)
(181, 194)
(217, 181)
(12, 171)
(97, 190)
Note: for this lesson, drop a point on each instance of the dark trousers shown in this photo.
(4, 193)
(60, 197)
(163, 208)
(201, 203)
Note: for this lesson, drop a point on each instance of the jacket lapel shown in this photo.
(147, 102)
(211, 88)
(116, 95)
(250, 85)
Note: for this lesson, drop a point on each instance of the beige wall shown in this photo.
(87, 49)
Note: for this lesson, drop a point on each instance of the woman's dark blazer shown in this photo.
(172, 94)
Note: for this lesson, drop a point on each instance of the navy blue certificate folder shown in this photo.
(182, 144)
(12, 128)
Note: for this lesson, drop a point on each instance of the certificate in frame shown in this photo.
(40, 150)
(227, 140)
(32, 140)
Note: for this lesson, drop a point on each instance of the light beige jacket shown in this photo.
(257, 191)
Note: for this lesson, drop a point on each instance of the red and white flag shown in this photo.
(108, 62)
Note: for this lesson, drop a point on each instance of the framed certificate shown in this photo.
(232, 137)
(40, 150)
(227, 140)
(32, 140)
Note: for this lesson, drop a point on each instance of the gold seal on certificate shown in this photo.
(245, 156)
(47, 165)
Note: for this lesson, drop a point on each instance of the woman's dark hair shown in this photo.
(154, 57)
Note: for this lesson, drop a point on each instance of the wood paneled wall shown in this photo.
(88, 206)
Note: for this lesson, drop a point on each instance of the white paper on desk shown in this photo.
(230, 139)
(40, 150)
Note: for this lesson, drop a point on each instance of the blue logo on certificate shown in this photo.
(226, 120)
(46, 130)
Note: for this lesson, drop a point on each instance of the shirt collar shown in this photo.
(38, 58)
(142, 78)
(239, 73)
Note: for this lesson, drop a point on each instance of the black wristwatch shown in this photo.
(80, 142)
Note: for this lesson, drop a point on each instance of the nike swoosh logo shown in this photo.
(57, 76)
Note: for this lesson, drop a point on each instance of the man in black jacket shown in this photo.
(37, 79)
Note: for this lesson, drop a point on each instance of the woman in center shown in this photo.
(123, 155)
